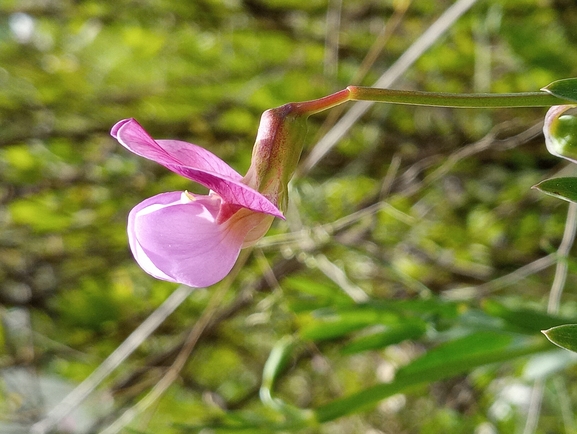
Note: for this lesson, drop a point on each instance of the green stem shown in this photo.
(435, 99)
(464, 100)
(308, 108)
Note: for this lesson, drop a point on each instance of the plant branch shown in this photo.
(124, 350)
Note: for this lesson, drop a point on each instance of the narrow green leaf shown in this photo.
(277, 360)
(564, 336)
(275, 363)
(317, 292)
(335, 323)
(460, 355)
(525, 319)
(326, 330)
(566, 89)
(389, 336)
(562, 188)
(445, 361)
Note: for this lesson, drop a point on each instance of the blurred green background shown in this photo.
(445, 201)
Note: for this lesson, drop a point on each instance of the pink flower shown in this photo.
(189, 238)
(195, 239)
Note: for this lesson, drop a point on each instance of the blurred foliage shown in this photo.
(415, 264)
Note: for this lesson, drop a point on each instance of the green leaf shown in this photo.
(332, 323)
(326, 330)
(313, 292)
(277, 360)
(389, 336)
(447, 360)
(566, 88)
(564, 336)
(275, 363)
(463, 354)
(562, 188)
(524, 319)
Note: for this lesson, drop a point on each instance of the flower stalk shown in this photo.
(195, 239)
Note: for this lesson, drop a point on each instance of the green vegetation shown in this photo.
(408, 287)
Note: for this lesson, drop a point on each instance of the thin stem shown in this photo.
(318, 105)
(565, 404)
(538, 389)
(132, 342)
(534, 410)
(466, 100)
(562, 254)
(387, 79)
(172, 374)
(183, 356)
(433, 99)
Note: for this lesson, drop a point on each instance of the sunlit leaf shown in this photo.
(564, 336)
(565, 88)
(562, 188)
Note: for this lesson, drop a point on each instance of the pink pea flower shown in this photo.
(195, 239)
(188, 238)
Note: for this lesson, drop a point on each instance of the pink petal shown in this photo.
(177, 239)
(132, 136)
(195, 163)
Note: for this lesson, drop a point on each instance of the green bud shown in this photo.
(560, 132)
(279, 143)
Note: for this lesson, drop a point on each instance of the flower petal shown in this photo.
(174, 236)
(195, 163)
(132, 136)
